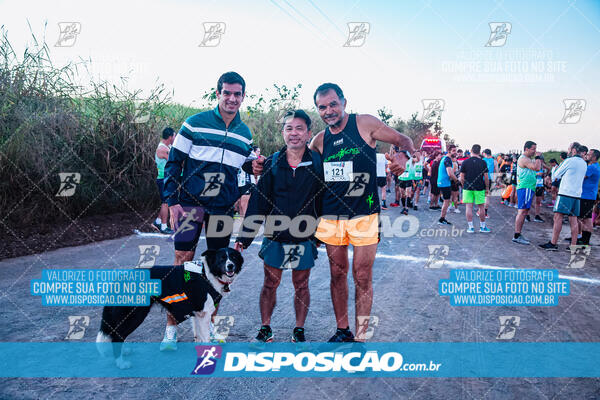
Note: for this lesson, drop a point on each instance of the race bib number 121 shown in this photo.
(337, 171)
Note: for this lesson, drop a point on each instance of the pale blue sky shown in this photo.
(414, 51)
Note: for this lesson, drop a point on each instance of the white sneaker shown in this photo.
(457, 211)
(169, 344)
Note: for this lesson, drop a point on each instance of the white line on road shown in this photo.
(449, 263)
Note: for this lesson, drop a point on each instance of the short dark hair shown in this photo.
(476, 149)
(167, 132)
(231, 77)
(488, 152)
(582, 149)
(451, 146)
(326, 87)
(563, 155)
(595, 154)
(529, 144)
(298, 114)
(553, 160)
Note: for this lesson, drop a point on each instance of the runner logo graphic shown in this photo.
(498, 34)
(68, 34)
(212, 183)
(437, 255)
(292, 253)
(573, 110)
(77, 325)
(508, 327)
(148, 254)
(222, 325)
(207, 359)
(68, 183)
(358, 184)
(281, 108)
(185, 229)
(357, 34)
(141, 114)
(432, 109)
(366, 326)
(579, 255)
(212, 34)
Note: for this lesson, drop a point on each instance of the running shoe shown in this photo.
(415, 208)
(527, 218)
(537, 218)
(157, 226)
(167, 231)
(383, 205)
(485, 229)
(470, 230)
(298, 335)
(342, 335)
(444, 221)
(169, 343)
(521, 240)
(404, 211)
(457, 210)
(265, 335)
(549, 246)
(550, 205)
(394, 204)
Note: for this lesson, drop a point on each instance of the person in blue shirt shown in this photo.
(588, 195)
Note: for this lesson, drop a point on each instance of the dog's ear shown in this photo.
(236, 257)
(209, 256)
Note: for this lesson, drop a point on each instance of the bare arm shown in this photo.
(316, 143)
(162, 152)
(534, 165)
(372, 129)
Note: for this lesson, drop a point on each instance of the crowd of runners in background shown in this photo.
(522, 180)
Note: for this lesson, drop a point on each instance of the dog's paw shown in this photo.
(122, 363)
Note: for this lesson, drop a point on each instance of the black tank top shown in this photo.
(352, 192)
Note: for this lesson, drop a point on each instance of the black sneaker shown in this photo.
(157, 226)
(415, 208)
(342, 335)
(549, 246)
(383, 205)
(265, 334)
(298, 335)
(444, 221)
(404, 211)
(166, 231)
(537, 218)
(527, 218)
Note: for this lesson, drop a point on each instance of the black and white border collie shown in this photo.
(190, 290)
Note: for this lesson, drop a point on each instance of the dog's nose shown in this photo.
(229, 267)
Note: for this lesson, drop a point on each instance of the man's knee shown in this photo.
(300, 280)
(272, 279)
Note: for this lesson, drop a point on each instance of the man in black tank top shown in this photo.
(350, 201)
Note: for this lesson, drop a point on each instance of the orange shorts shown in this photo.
(361, 231)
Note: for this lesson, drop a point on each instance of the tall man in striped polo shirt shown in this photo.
(210, 148)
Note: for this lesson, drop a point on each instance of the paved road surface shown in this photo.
(406, 301)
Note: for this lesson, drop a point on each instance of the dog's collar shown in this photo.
(198, 267)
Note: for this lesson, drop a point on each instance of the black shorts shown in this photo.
(381, 181)
(186, 238)
(406, 184)
(435, 190)
(244, 189)
(426, 183)
(161, 190)
(556, 183)
(539, 191)
(446, 192)
(454, 186)
(586, 207)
